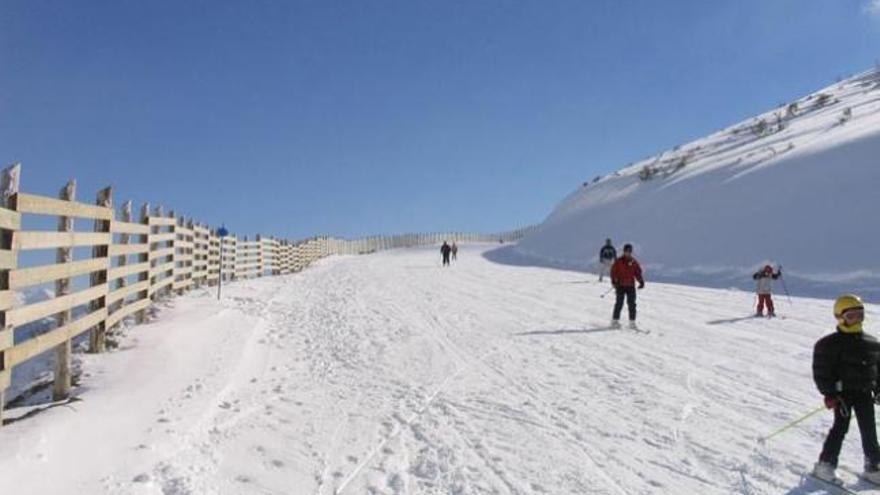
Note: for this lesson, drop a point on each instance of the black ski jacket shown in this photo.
(607, 253)
(846, 362)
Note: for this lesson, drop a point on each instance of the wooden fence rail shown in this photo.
(132, 264)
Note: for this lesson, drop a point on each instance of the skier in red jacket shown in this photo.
(624, 274)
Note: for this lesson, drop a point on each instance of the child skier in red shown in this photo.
(763, 286)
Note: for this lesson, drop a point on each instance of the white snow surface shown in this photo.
(803, 197)
(387, 374)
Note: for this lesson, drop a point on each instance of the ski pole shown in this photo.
(782, 279)
(606, 292)
(793, 423)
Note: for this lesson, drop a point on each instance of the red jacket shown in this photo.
(625, 271)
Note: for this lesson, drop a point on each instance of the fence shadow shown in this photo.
(37, 410)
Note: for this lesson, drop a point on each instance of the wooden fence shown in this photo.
(130, 264)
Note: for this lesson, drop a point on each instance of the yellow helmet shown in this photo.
(841, 305)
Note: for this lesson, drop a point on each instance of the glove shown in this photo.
(832, 402)
(641, 285)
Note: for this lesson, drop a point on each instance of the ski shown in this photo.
(626, 327)
(839, 488)
(859, 476)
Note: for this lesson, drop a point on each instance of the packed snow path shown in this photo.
(389, 374)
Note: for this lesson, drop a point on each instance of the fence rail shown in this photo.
(132, 264)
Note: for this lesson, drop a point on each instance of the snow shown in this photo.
(802, 197)
(389, 374)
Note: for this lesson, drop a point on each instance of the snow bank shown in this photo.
(799, 189)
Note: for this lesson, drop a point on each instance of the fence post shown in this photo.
(230, 251)
(155, 231)
(241, 258)
(213, 256)
(122, 260)
(202, 240)
(98, 335)
(184, 241)
(10, 221)
(261, 256)
(141, 316)
(61, 386)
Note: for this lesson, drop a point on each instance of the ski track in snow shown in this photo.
(387, 374)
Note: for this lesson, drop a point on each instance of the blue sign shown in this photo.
(222, 232)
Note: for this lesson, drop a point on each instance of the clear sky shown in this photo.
(351, 118)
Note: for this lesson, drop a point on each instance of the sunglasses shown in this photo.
(854, 315)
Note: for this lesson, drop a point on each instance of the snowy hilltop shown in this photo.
(795, 186)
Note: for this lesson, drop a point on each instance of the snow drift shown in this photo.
(796, 186)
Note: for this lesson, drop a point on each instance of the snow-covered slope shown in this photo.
(801, 189)
(387, 374)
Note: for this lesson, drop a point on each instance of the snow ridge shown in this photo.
(794, 186)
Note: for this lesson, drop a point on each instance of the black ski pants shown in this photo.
(630, 294)
(445, 258)
(862, 404)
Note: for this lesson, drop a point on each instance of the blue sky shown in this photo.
(351, 118)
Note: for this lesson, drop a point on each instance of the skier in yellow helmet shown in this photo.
(845, 369)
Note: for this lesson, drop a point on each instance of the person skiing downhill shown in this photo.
(624, 273)
(444, 251)
(607, 256)
(763, 286)
(845, 369)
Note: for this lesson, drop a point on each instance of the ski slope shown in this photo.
(800, 193)
(388, 374)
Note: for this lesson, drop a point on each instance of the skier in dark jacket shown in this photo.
(624, 274)
(607, 256)
(845, 369)
(445, 250)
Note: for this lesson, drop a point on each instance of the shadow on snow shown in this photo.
(566, 331)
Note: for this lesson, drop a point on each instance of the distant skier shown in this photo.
(445, 250)
(607, 256)
(763, 286)
(624, 273)
(845, 369)
(454, 251)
